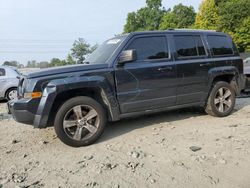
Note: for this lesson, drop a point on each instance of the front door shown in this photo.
(150, 81)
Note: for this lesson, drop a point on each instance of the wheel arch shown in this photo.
(92, 92)
(227, 74)
(59, 90)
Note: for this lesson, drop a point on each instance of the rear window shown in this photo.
(220, 45)
(150, 48)
(2, 72)
(189, 46)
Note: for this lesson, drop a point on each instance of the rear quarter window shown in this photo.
(220, 45)
(2, 72)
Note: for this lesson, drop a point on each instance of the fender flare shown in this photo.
(238, 79)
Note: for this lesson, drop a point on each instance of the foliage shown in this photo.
(32, 64)
(43, 64)
(146, 18)
(231, 16)
(242, 35)
(80, 49)
(232, 13)
(11, 63)
(208, 15)
(180, 17)
(70, 60)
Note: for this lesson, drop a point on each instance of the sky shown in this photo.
(43, 29)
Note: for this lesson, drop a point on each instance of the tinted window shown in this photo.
(189, 46)
(150, 48)
(220, 45)
(2, 72)
(200, 46)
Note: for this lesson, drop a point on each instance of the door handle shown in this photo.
(169, 68)
(205, 64)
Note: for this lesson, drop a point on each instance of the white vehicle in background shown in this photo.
(247, 62)
(9, 78)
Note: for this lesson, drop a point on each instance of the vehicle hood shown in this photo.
(66, 69)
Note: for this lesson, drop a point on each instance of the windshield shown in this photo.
(104, 51)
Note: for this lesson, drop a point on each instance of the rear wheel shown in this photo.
(221, 101)
(80, 121)
(11, 94)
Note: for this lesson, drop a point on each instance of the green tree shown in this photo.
(146, 18)
(32, 64)
(54, 62)
(242, 35)
(180, 17)
(11, 63)
(80, 49)
(44, 64)
(208, 15)
(229, 16)
(232, 13)
(70, 60)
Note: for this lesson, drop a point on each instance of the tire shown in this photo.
(73, 125)
(11, 94)
(221, 100)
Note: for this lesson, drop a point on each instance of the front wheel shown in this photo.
(80, 121)
(221, 101)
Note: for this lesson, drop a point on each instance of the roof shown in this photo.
(8, 67)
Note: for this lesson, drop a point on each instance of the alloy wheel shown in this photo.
(81, 122)
(223, 99)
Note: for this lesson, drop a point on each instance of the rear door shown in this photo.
(150, 81)
(193, 63)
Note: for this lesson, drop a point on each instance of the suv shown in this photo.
(131, 75)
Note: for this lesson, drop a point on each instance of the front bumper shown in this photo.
(24, 111)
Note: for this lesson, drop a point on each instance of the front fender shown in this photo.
(59, 86)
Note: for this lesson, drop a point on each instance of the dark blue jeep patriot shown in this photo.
(131, 75)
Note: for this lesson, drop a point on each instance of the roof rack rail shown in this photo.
(171, 29)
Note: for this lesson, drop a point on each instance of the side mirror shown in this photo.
(127, 56)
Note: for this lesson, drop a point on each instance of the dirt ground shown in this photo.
(150, 151)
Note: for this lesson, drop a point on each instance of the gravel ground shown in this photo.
(151, 151)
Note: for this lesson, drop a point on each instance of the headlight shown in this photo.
(34, 95)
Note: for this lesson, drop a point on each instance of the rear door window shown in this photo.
(220, 45)
(150, 48)
(2, 72)
(189, 46)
